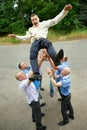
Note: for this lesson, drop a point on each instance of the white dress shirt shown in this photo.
(30, 91)
(41, 31)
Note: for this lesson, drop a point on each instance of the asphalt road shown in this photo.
(15, 114)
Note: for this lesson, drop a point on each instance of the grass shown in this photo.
(11, 41)
(75, 34)
(78, 34)
(52, 36)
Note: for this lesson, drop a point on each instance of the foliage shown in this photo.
(82, 12)
(14, 14)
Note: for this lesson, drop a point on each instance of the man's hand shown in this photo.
(12, 35)
(50, 72)
(68, 7)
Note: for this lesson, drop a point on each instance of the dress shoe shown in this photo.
(42, 127)
(42, 89)
(33, 120)
(35, 77)
(60, 54)
(71, 116)
(60, 99)
(56, 61)
(58, 57)
(42, 114)
(61, 123)
(43, 104)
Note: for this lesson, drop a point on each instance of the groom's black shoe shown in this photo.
(60, 54)
(58, 57)
(71, 116)
(35, 77)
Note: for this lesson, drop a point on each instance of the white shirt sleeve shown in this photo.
(25, 37)
(57, 19)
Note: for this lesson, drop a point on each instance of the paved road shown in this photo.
(15, 114)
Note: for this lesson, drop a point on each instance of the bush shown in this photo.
(17, 27)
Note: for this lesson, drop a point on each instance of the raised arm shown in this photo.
(52, 63)
(55, 84)
(30, 74)
(41, 57)
(60, 16)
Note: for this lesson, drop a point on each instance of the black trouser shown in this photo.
(66, 106)
(59, 91)
(35, 47)
(36, 113)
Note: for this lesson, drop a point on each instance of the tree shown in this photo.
(5, 15)
(14, 14)
(82, 12)
(10, 19)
